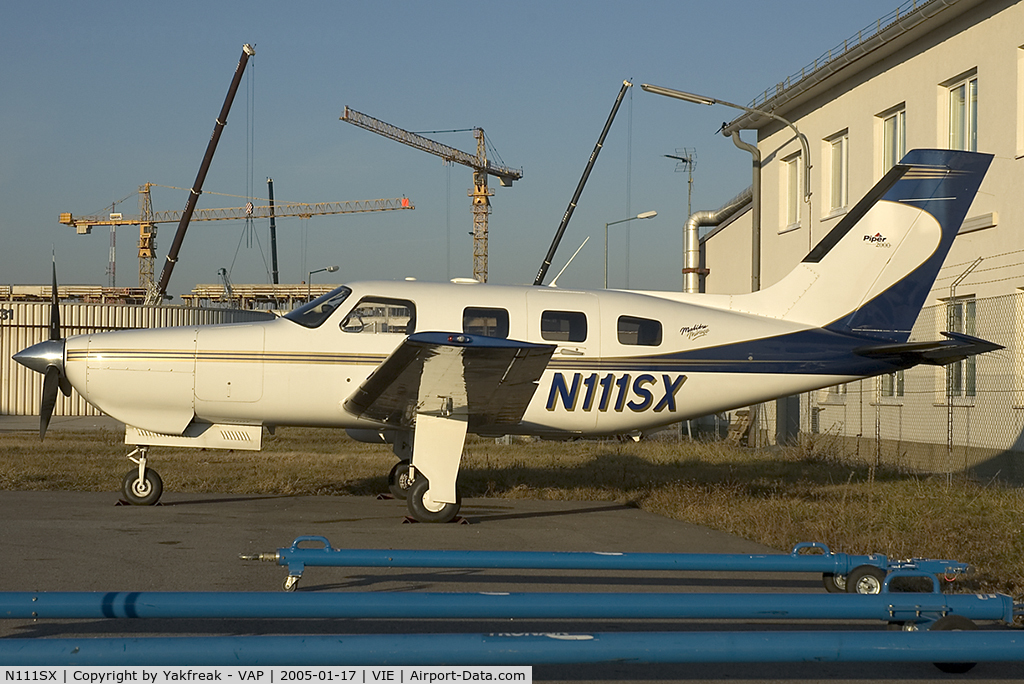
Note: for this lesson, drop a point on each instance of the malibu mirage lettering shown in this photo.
(693, 332)
(614, 392)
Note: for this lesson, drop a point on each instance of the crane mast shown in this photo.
(480, 194)
(156, 293)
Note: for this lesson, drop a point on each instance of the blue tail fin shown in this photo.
(911, 218)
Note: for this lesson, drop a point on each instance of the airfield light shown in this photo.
(644, 215)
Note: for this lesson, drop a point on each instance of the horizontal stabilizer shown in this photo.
(488, 380)
(956, 347)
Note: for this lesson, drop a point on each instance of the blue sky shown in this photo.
(98, 98)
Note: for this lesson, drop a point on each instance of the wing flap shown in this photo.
(488, 380)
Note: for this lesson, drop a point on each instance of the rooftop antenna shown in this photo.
(686, 162)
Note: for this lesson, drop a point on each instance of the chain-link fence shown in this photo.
(965, 418)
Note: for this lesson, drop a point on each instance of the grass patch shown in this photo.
(777, 497)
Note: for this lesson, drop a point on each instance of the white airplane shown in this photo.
(421, 364)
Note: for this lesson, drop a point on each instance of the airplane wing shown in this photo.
(489, 380)
(956, 347)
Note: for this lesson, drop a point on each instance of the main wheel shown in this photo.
(425, 509)
(398, 480)
(953, 623)
(144, 492)
(865, 579)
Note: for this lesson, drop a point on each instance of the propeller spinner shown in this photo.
(48, 358)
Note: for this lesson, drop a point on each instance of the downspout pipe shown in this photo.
(755, 223)
(692, 269)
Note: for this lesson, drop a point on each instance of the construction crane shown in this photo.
(480, 193)
(148, 219)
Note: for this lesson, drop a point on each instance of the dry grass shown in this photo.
(776, 497)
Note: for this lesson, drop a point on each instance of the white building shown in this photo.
(932, 74)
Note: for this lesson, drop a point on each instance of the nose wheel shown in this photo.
(141, 486)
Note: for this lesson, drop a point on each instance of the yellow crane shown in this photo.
(480, 194)
(148, 219)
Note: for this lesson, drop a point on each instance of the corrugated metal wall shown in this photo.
(23, 324)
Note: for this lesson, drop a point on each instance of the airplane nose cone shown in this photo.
(41, 356)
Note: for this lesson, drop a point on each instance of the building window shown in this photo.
(793, 191)
(640, 331)
(961, 376)
(894, 139)
(839, 171)
(563, 326)
(963, 115)
(891, 384)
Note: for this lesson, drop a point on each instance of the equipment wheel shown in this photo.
(425, 509)
(291, 582)
(902, 627)
(834, 584)
(953, 623)
(142, 492)
(398, 480)
(865, 579)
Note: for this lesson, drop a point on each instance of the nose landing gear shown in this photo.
(141, 486)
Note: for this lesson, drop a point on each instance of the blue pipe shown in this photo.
(296, 558)
(890, 607)
(524, 649)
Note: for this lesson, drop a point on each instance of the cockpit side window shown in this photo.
(477, 320)
(380, 315)
(314, 313)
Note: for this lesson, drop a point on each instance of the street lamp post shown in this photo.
(755, 275)
(309, 277)
(645, 215)
(700, 99)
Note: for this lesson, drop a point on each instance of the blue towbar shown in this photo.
(866, 572)
(909, 608)
(525, 649)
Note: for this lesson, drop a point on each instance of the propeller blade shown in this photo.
(50, 383)
(54, 308)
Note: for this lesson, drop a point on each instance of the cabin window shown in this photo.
(642, 331)
(380, 315)
(314, 313)
(487, 322)
(563, 326)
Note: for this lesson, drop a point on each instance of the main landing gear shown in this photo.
(406, 483)
(426, 478)
(423, 508)
(398, 480)
(141, 486)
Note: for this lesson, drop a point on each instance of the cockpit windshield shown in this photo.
(319, 310)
